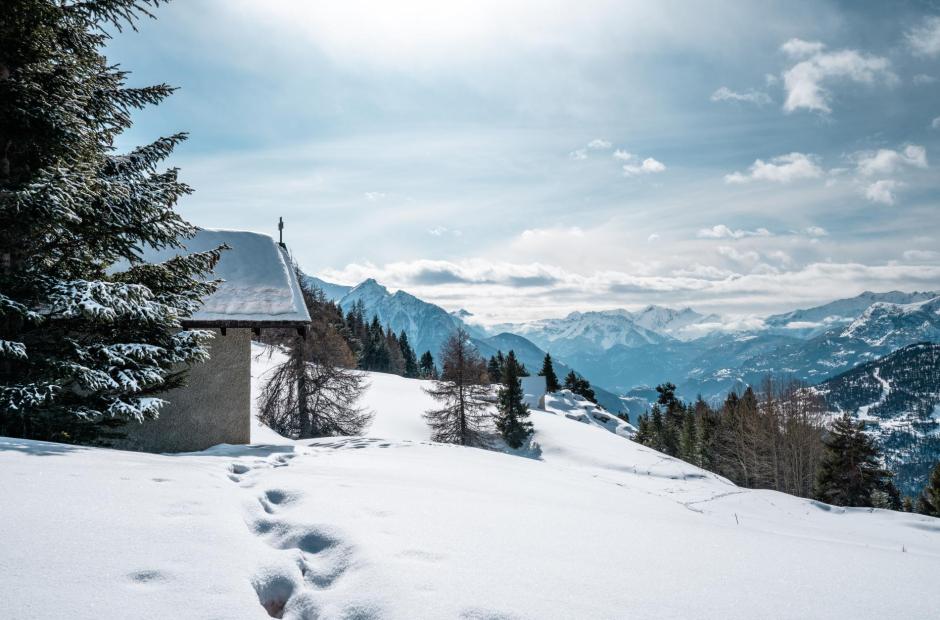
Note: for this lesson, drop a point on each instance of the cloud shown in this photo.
(921, 255)
(440, 231)
(748, 256)
(804, 81)
(623, 155)
(599, 143)
(781, 169)
(750, 96)
(935, 123)
(882, 191)
(578, 155)
(888, 161)
(649, 166)
(653, 238)
(816, 231)
(374, 196)
(924, 40)
(922, 78)
(798, 48)
(720, 231)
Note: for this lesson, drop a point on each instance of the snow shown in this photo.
(392, 525)
(863, 411)
(259, 284)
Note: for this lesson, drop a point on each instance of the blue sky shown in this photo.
(525, 159)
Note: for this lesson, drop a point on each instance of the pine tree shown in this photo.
(512, 419)
(929, 501)
(850, 471)
(375, 353)
(464, 392)
(411, 360)
(548, 371)
(426, 367)
(396, 361)
(89, 335)
(580, 386)
(494, 369)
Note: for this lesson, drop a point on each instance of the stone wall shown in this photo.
(214, 407)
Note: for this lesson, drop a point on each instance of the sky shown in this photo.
(525, 159)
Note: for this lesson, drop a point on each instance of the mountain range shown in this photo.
(898, 396)
(428, 326)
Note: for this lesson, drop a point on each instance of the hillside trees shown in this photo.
(768, 439)
(463, 391)
(314, 393)
(580, 386)
(88, 334)
(426, 367)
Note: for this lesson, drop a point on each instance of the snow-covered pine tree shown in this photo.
(512, 419)
(84, 348)
(548, 371)
(463, 391)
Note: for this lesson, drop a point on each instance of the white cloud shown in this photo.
(514, 291)
(924, 40)
(781, 169)
(798, 48)
(599, 143)
(720, 231)
(922, 78)
(649, 166)
(804, 81)
(374, 196)
(935, 123)
(440, 231)
(578, 155)
(751, 96)
(888, 161)
(921, 255)
(882, 191)
(816, 231)
(653, 238)
(623, 155)
(748, 256)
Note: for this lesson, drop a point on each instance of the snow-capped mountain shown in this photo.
(598, 331)
(809, 322)
(428, 326)
(887, 324)
(898, 396)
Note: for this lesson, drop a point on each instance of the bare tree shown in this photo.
(464, 391)
(315, 391)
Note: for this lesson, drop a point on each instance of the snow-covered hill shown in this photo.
(393, 526)
(898, 396)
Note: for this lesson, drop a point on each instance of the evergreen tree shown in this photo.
(512, 419)
(426, 367)
(929, 501)
(580, 386)
(548, 371)
(494, 369)
(850, 470)
(408, 354)
(688, 444)
(89, 335)
(375, 354)
(464, 392)
(396, 361)
(908, 505)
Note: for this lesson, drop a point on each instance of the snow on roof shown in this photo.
(259, 285)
